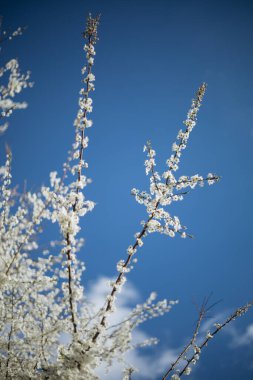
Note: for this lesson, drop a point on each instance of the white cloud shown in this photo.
(149, 366)
(99, 290)
(241, 339)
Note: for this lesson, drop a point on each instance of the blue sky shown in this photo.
(151, 58)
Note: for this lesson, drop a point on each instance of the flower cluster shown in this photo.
(183, 136)
(165, 188)
(15, 84)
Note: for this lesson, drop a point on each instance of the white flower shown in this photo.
(175, 377)
(187, 371)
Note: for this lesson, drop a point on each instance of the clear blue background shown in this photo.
(151, 57)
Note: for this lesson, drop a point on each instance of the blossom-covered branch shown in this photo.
(14, 84)
(73, 205)
(191, 352)
(161, 194)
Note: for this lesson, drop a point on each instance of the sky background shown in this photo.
(151, 58)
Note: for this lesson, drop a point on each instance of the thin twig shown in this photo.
(202, 313)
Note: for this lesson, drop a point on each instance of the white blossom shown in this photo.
(175, 377)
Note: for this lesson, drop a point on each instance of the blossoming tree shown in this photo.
(48, 330)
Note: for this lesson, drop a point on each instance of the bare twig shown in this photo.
(191, 342)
